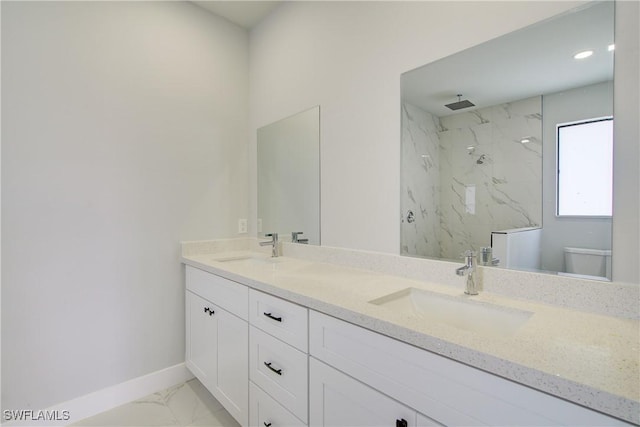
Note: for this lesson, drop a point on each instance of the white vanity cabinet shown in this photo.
(217, 333)
(273, 363)
(278, 361)
(347, 360)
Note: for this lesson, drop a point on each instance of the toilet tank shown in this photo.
(588, 262)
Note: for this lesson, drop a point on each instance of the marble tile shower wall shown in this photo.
(421, 182)
(459, 195)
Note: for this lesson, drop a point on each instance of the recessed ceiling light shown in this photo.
(583, 54)
(611, 47)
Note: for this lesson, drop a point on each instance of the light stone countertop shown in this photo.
(589, 359)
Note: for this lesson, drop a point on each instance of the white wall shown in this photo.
(124, 132)
(348, 56)
(595, 233)
(626, 146)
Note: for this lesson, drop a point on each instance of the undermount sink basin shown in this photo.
(459, 312)
(250, 259)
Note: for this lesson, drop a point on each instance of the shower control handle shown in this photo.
(410, 217)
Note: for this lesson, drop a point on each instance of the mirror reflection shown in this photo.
(289, 178)
(480, 148)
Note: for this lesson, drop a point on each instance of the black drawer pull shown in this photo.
(208, 310)
(277, 319)
(401, 423)
(266, 425)
(277, 371)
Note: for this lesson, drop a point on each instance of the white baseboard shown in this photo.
(109, 398)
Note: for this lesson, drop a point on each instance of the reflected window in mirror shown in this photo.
(585, 168)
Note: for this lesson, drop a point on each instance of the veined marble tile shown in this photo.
(191, 403)
(420, 181)
(219, 418)
(186, 404)
(482, 179)
(144, 412)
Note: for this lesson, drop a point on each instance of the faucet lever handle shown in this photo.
(468, 253)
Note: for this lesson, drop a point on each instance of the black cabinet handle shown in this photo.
(208, 310)
(277, 319)
(266, 425)
(401, 423)
(277, 371)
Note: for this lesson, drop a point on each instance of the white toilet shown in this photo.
(588, 263)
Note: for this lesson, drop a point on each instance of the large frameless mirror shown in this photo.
(481, 154)
(289, 178)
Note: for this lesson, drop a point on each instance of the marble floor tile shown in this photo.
(219, 418)
(186, 404)
(138, 413)
(191, 403)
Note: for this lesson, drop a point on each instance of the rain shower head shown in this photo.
(460, 104)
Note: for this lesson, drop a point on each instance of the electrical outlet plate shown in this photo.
(242, 225)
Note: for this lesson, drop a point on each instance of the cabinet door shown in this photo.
(232, 374)
(217, 354)
(201, 335)
(336, 400)
(424, 421)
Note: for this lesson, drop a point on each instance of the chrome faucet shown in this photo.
(296, 239)
(486, 257)
(469, 268)
(273, 242)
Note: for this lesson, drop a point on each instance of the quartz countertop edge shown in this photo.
(582, 394)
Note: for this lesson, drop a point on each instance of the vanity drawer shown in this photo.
(280, 318)
(280, 370)
(263, 410)
(225, 293)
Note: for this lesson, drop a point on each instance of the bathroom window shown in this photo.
(585, 166)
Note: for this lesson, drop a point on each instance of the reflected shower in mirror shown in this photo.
(479, 146)
(289, 178)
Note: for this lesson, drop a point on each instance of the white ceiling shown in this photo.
(244, 13)
(533, 61)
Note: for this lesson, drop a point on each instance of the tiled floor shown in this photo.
(187, 404)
